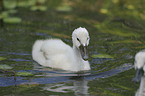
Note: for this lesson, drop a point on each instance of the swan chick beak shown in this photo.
(138, 75)
(84, 54)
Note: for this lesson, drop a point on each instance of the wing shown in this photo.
(53, 47)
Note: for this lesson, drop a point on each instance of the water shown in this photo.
(108, 76)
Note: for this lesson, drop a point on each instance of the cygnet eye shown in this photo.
(78, 39)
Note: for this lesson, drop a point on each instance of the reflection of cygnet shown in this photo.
(79, 87)
(56, 54)
(141, 90)
(139, 65)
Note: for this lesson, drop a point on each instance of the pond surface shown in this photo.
(115, 37)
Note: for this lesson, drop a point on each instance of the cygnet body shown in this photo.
(55, 53)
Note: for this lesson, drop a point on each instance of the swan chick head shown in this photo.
(80, 37)
(140, 60)
(139, 65)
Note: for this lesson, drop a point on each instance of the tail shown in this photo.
(37, 55)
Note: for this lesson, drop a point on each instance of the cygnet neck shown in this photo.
(77, 52)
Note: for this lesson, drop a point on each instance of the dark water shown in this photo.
(120, 35)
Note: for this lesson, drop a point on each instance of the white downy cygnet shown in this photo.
(139, 65)
(55, 53)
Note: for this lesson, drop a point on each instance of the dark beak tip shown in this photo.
(136, 80)
(85, 58)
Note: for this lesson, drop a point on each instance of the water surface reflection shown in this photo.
(79, 87)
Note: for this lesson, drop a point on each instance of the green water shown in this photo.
(116, 29)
